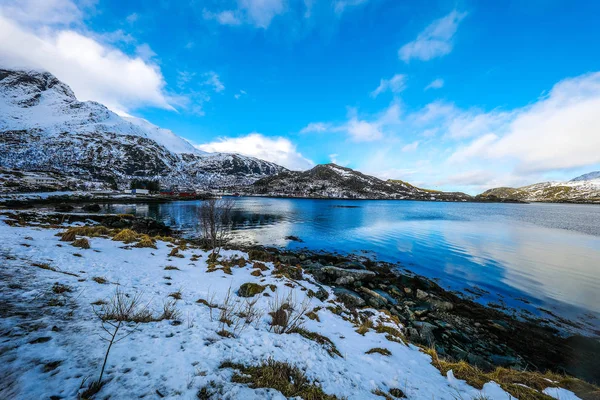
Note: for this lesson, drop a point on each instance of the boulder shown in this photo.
(348, 297)
(331, 274)
(250, 289)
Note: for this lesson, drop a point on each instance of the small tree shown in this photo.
(215, 224)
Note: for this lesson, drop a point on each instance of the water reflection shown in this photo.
(548, 255)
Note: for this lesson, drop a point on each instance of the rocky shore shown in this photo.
(457, 328)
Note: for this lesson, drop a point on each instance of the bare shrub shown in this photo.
(236, 315)
(215, 224)
(170, 310)
(121, 308)
(287, 313)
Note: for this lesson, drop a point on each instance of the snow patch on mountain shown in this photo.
(43, 127)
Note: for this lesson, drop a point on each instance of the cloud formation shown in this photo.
(435, 41)
(395, 84)
(557, 132)
(38, 34)
(93, 70)
(435, 84)
(258, 13)
(275, 149)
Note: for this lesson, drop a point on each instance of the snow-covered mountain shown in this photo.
(44, 127)
(583, 189)
(333, 181)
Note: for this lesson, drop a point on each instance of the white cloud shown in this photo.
(132, 18)
(316, 127)
(239, 94)
(340, 5)
(395, 84)
(435, 41)
(275, 149)
(334, 158)
(559, 131)
(94, 71)
(258, 13)
(227, 17)
(213, 80)
(363, 131)
(411, 146)
(435, 84)
(45, 11)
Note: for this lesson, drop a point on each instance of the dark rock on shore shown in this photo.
(458, 328)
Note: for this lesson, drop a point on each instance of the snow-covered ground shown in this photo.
(50, 341)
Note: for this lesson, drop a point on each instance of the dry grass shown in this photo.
(126, 236)
(82, 243)
(91, 231)
(176, 295)
(59, 288)
(175, 253)
(100, 280)
(281, 376)
(171, 268)
(524, 385)
(322, 340)
(146, 242)
(379, 350)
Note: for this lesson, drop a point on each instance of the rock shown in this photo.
(92, 207)
(63, 207)
(426, 331)
(395, 290)
(408, 291)
(294, 238)
(291, 260)
(375, 299)
(421, 295)
(348, 297)
(332, 274)
(351, 265)
(441, 305)
(250, 289)
(387, 296)
(504, 361)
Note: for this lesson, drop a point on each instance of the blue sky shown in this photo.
(453, 95)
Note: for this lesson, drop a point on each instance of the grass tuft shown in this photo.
(379, 350)
(281, 376)
(82, 243)
(126, 236)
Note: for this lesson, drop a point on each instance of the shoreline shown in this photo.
(457, 328)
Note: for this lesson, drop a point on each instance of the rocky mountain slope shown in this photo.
(43, 127)
(333, 181)
(583, 189)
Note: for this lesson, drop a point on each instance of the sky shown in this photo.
(450, 95)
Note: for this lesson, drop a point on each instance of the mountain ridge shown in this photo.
(582, 189)
(43, 127)
(334, 181)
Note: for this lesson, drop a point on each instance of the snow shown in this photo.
(177, 359)
(44, 127)
(560, 394)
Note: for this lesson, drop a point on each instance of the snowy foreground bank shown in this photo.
(51, 345)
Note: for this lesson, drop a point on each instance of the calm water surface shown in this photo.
(526, 256)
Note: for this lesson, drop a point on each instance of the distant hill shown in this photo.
(334, 181)
(582, 189)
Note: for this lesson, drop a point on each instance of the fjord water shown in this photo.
(526, 256)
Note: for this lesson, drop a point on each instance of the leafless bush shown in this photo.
(215, 224)
(236, 315)
(170, 310)
(120, 309)
(287, 313)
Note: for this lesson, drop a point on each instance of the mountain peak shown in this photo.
(25, 88)
(587, 177)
